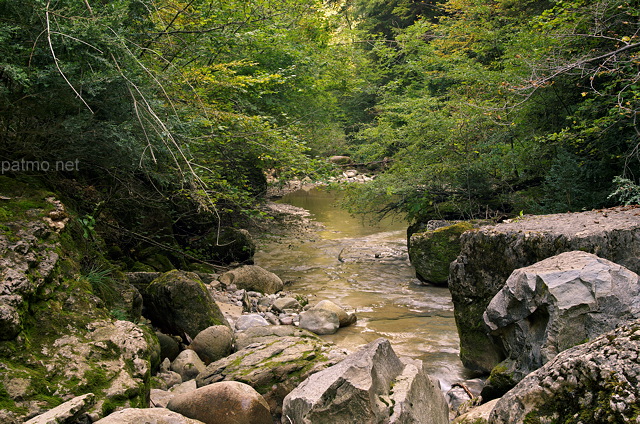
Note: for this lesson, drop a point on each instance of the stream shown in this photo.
(365, 267)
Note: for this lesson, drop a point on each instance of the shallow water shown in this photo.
(365, 267)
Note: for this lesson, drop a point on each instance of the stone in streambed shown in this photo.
(213, 343)
(490, 254)
(253, 277)
(283, 303)
(345, 319)
(273, 366)
(251, 320)
(228, 402)
(320, 321)
(188, 365)
(179, 303)
(431, 252)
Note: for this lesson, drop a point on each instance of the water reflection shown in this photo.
(365, 267)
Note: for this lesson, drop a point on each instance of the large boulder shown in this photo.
(213, 343)
(254, 278)
(179, 303)
(273, 367)
(595, 382)
(559, 303)
(228, 402)
(490, 254)
(372, 386)
(146, 415)
(432, 251)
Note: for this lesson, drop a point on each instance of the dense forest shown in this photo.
(174, 110)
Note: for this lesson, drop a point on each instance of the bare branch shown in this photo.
(55, 59)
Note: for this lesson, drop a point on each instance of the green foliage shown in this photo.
(627, 192)
(489, 107)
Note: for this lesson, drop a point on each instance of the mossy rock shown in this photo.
(431, 252)
(273, 366)
(179, 303)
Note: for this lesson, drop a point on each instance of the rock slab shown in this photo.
(490, 254)
(146, 415)
(273, 367)
(559, 303)
(68, 412)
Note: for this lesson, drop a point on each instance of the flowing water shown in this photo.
(365, 266)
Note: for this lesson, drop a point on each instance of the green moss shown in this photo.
(431, 252)
(8, 404)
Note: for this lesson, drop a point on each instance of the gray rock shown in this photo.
(67, 413)
(228, 402)
(273, 367)
(159, 398)
(213, 343)
(462, 392)
(147, 415)
(559, 303)
(27, 261)
(319, 321)
(251, 320)
(490, 254)
(272, 318)
(595, 382)
(253, 277)
(283, 303)
(361, 388)
(345, 319)
(416, 397)
(179, 303)
(270, 333)
(168, 379)
(188, 365)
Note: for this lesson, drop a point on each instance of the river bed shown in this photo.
(364, 266)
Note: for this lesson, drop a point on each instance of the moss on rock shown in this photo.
(431, 252)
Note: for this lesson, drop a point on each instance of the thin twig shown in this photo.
(55, 59)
